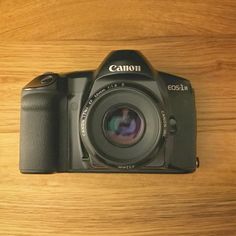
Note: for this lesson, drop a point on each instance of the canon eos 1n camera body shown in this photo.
(123, 117)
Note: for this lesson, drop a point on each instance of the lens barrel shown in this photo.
(121, 125)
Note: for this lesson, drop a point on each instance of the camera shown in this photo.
(123, 117)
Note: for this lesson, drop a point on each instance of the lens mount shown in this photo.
(121, 125)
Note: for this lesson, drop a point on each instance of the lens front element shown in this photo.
(123, 126)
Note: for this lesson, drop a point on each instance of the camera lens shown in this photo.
(123, 126)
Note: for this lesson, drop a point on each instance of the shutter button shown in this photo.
(48, 79)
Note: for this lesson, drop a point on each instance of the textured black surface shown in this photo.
(39, 132)
(182, 105)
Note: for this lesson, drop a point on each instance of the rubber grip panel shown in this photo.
(39, 132)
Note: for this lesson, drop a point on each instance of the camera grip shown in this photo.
(39, 136)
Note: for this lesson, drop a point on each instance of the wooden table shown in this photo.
(193, 39)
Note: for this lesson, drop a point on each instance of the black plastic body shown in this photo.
(51, 107)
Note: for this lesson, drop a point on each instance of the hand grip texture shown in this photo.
(39, 132)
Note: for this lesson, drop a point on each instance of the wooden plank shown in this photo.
(114, 20)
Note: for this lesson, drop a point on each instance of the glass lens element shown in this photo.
(123, 126)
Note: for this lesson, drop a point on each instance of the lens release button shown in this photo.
(173, 125)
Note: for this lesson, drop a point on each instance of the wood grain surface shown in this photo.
(193, 39)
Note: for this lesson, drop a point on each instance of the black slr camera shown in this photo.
(123, 117)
